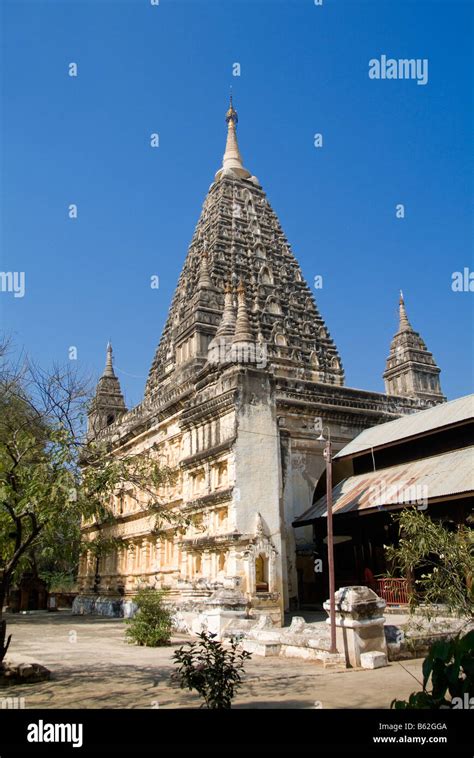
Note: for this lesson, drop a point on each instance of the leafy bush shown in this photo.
(450, 665)
(210, 669)
(151, 625)
(445, 558)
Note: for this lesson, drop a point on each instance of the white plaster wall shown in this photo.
(257, 468)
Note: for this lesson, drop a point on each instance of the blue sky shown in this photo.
(168, 69)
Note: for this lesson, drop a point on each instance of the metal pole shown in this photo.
(332, 599)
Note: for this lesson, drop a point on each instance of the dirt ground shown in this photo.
(94, 667)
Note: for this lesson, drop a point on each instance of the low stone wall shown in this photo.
(405, 642)
(99, 605)
(300, 640)
(360, 638)
(214, 614)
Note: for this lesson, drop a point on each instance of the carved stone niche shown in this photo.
(272, 305)
(265, 276)
(293, 299)
(313, 359)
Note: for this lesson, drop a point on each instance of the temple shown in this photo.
(244, 367)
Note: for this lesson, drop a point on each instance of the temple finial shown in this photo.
(109, 369)
(232, 161)
(231, 113)
(404, 322)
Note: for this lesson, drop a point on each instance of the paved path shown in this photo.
(93, 667)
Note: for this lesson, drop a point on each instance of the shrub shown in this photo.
(212, 670)
(450, 665)
(443, 557)
(151, 625)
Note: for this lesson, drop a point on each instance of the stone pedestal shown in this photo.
(218, 612)
(218, 619)
(359, 625)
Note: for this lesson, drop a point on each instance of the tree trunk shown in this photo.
(3, 636)
(4, 582)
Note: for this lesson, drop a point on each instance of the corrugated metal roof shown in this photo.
(415, 482)
(421, 422)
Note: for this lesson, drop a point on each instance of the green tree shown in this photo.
(442, 559)
(52, 477)
(37, 477)
(449, 668)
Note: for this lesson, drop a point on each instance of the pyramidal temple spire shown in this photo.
(238, 240)
(232, 161)
(411, 370)
(108, 403)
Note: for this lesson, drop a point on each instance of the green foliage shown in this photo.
(446, 559)
(52, 479)
(450, 666)
(210, 669)
(151, 625)
(37, 479)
